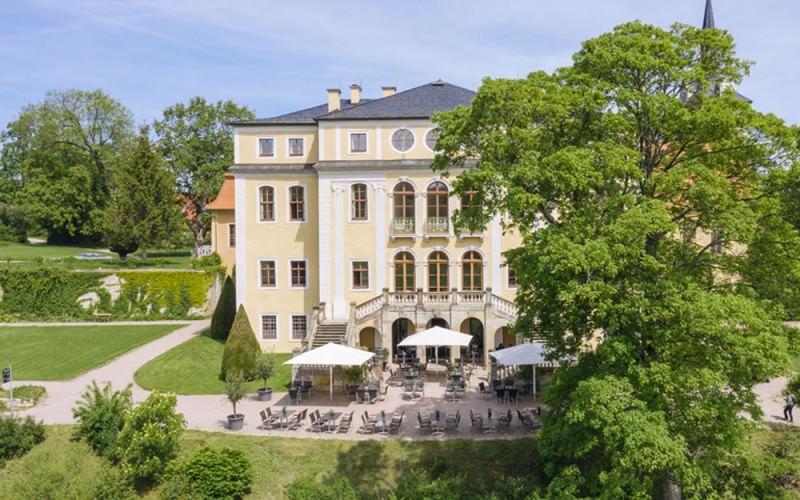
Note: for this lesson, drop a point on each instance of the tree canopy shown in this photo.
(639, 181)
(197, 143)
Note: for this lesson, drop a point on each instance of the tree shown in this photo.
(211, 473)
(197, 142)
(635, 178)
(241, 349)
(150, 438)
(101, 415)
(222, 319)
(58, 157)
(144, 203)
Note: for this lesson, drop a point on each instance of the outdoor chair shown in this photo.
(307, 384)
(382, 394)
(367, 427)
(512, 395)
(373, 418)
(345, 422)
(296, 420)
(408, 391)
(266, 419)
(373, 395)
(419, 389)
(316, 423)
(294, 395)
(526, 420)
(452, 421)
(397, 421)
(476, 420)
(500, 395)
(424, 422)
(504, 420)
(482, 388)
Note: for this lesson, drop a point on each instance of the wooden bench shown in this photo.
(102, 316)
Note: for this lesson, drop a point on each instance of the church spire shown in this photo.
(708, 16)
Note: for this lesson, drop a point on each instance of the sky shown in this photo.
(280, 56)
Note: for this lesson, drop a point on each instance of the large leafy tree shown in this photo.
(636, 178)
(197, 143)
(58, 157)
(144, 202)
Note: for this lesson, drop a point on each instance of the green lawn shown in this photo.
(24, 255)
(20, 251)
(193, 368)
(63, 352)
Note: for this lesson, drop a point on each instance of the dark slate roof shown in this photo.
(708, 16)
(419, 102)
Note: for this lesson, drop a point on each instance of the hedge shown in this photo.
(50, 293)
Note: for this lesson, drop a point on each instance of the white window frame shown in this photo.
(261, 286)
(291, 327)
(350, 205)
(425, 138)
(289, 219)
(261, 327)
(232, 225)
(274, 147)
(274, 204)
(289, 147)
(350, 142)
(289, 273)
(413, 145)
(369, 275)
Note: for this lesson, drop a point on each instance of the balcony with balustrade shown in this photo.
(403, 227)
(437, 226)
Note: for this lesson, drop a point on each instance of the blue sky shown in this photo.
(279, 56)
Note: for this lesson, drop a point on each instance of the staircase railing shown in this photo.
(351, 326)
(317, 315)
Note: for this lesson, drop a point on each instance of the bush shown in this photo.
(241, 349)
(150, 437)
(18, 436)
(794, 386)
(30, 393)
(331, 488)
(101, 416)
(212, 261)
(225, 312)
(210, 473)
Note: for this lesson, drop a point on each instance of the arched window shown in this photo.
(403, 208)
(472, 275)
(297, 204)
(266, 204)
(438, 267)
(404, 272)
(358, 202)
(438, 209)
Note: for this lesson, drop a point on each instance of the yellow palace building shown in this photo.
(339, 231)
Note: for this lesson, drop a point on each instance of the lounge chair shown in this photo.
(476, 420)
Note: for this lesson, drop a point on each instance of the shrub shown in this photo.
(30, 393)
(210, 473)
(18, 436)
(331, 488)
(241, 348)
(212, 261)
(101, 416)
(224, 313)
(794, 386)
(235, 390)
(150, 437)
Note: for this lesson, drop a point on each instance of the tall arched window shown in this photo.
(358, 208)
(297, 204)
(404, 272)
(438, 209)
(472, 267)
(266, 204)
(438, 267)
(403, 208)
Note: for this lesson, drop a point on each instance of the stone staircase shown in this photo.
(329, 331)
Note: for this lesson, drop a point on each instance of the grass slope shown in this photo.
(193, 368)
(63, 352)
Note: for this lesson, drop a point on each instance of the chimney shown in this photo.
(388, 91)
(333, 100)
(355, 94)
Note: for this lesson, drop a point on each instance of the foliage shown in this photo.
(222, 319)
(197, 143)
(143, 211)
(330, 488)
(101, 414)
(156, 286)
(14, 223)
(265, 366)
(18, 436)
(235, 390)
(58, 157)
(637, 181)
(184, 369)
(150, 437)
(60, 352)
(241, 348)
(44, 293)
(212, 261)
(210, 473)
(30, 393)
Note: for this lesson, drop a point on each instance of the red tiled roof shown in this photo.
(225, 198)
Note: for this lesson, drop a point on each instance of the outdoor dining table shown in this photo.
(330, 418)
(284, 417)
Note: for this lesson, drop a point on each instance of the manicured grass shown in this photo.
(21, 251)
(193, 368)
(25, 256)
(63, 352)
(371, 467)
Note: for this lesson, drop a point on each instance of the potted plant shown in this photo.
(235, 390)
(265, 366)
(385, 360)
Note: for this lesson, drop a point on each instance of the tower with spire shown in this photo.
(708, 16)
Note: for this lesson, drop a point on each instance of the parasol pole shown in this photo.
(330, 381)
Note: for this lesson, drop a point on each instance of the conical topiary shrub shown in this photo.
(241, 349)
(225, 311)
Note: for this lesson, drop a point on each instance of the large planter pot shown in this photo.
(265, 394)
(235, 422)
